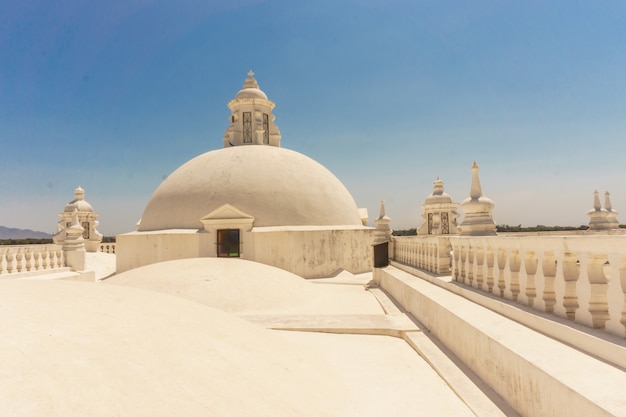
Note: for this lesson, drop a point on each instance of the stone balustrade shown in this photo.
(107, 247)
(428, 253)
(27, 258)
(581, 278)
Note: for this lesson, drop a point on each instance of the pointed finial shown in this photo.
(438, 187)
(382, 209)
(79, 193)
(476, 191)
(607, 201)
(596, 201)
(250, 81)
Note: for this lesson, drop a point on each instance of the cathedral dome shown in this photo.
(276, 186)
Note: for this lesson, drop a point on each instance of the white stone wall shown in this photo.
(306, 251)
(315, 253)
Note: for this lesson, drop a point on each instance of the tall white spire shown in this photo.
(602, 218)
(478, 220)
(476, 191)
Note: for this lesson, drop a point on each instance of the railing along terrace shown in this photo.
(581, 278)
(429, 253)
(26, 258)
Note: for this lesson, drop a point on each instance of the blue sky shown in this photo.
(389, 95)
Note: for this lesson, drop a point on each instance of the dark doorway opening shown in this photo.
(228, 243)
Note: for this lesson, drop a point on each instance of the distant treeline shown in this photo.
(32, 241)
(538, 228)
(519, 228)
(406, 232)
(29, 241)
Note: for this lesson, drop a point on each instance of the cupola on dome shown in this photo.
(78, 203)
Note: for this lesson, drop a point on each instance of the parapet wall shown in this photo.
(309, 252)
(578, 277)
(536, 375)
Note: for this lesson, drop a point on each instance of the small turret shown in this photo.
(440, 212)
(86, 219)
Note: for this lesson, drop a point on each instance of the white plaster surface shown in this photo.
(103, 264)
(85, 349)
(240, 286)
(274, 185)
(100, 349)
(383, 376)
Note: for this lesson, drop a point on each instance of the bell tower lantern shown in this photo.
(251, 119)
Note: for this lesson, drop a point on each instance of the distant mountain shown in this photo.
(12, 233)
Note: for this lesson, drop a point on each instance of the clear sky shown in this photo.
(388, 95)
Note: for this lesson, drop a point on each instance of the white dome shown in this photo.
(277, 186)
(78, 203)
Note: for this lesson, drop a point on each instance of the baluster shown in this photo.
(515, 263)
(455, 261)
(44, 257)
(2, 258)
(548, 266)
(470, 265)
(480, 259)
(463, 257)
(409, 254)
(10, 257)
(501, 265)
(432, 256)
(27, 258)
(531, 269)
(598, 306)
(60, 258)
(570, 276)
(490, 258)
(18, 259)
(36, 256)
(622, 277)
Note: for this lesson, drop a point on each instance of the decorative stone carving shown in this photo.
(602, 218)
(440, 213)
(478, 210)
(251, 119)
(86, 219)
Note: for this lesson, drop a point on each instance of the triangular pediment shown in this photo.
(227, 212)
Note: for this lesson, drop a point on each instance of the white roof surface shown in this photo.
(76, 349)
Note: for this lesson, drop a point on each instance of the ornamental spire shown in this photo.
(596, 201)
(476, 191)
(607, 201)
